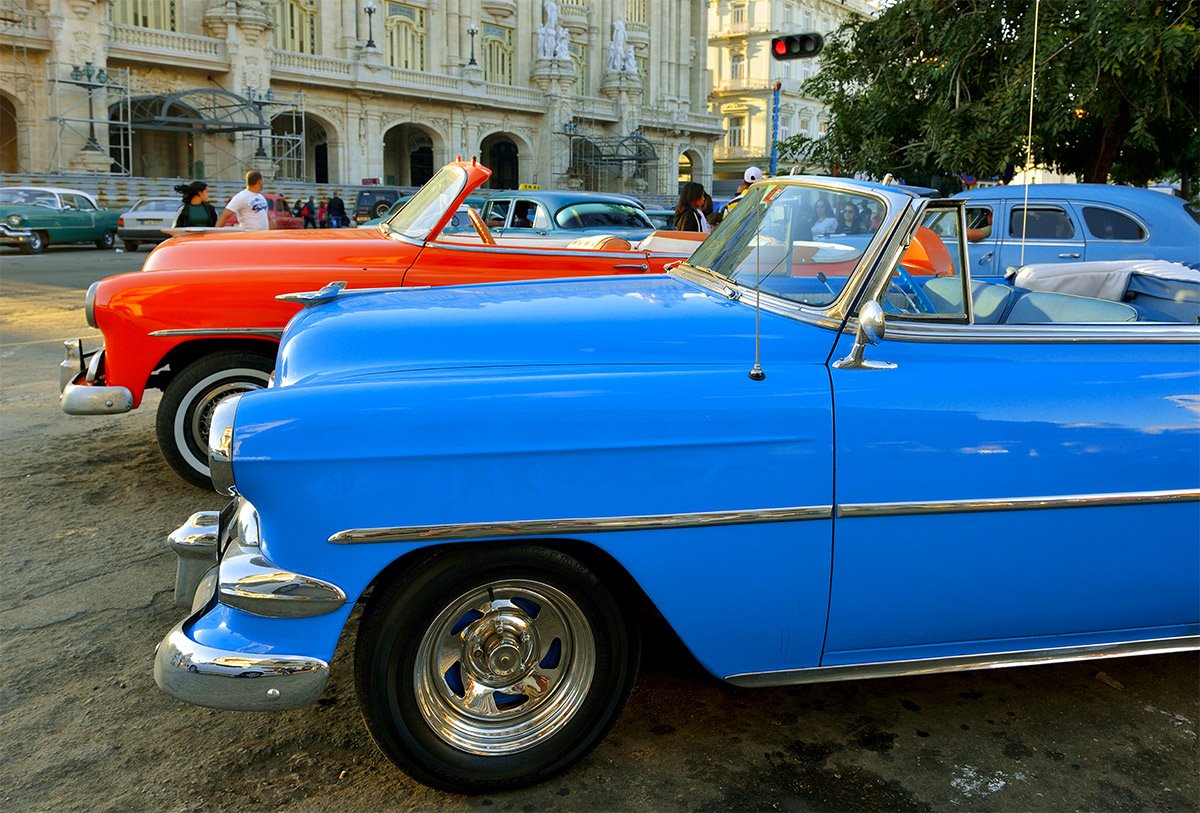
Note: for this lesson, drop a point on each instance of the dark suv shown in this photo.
(374, 202)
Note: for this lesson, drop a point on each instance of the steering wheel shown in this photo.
(913, 291)
(480, 227)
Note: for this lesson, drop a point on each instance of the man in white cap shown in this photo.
(751, 175)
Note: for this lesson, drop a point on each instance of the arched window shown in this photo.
(497, 49)
(407, 36)
(737, 66)
(159, 14)
(295, 26)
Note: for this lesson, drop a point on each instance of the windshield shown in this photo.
(799, 242)
(163, 205)
(31, 197)
(429, 204)
(602, 215)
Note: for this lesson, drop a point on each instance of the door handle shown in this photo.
(1070, 255)
(637, 266)
(985, 257)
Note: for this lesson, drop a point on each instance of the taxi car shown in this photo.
(815, 459)
(33, 217)
(201, 319)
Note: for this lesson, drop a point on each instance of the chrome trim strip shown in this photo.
(544, 527)
(896, 509)
(960, 663)
(272, 332)
(240, 681)
(1096, 333)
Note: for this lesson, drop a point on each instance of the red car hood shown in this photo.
(292, 248)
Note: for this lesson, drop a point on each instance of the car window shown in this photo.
(169, 205)
(81, 203)
(1042, 223)
(602, 215)
(1106, 224)
(495, 213)
(524, 212)
(771, 240)
(430, 203)
(979, 223)
(928, 281)
(541, 218)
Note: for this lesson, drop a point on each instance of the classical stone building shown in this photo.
(605, 94)
(744, 75)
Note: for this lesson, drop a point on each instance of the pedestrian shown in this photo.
(249, 205)
(196, 210)
(750, 176)
(688, 216)
(309, 213)
(298, 209)
(323, 214)
(337, 212)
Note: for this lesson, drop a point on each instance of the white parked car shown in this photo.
(145, 221)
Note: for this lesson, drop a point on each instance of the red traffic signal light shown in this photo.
(797, 46)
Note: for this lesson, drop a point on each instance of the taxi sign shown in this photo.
(527, 186)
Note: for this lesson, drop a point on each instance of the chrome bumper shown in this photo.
(239, 681)
(79, 395)
(245, 580)
(14, 236)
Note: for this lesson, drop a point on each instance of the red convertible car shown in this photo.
(203, 317)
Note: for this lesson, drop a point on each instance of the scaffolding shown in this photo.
(83, 98)
(627, 164)
(288, 136)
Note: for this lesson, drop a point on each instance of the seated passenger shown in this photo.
(825, 223)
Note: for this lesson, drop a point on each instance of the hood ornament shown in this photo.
(309, 298)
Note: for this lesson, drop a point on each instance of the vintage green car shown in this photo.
(33, 217)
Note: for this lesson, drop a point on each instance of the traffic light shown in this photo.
(797, 46)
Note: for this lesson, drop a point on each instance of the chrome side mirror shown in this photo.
(871, 329)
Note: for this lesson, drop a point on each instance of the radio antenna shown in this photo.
(756, 372)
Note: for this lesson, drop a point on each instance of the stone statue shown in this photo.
(631, 65)
(549, 33)
(616, 48)
(562, 45)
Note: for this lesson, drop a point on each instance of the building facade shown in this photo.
(602, 94)
(744, 76)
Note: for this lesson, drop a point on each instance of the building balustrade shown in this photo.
(310, 64)
(150, 45)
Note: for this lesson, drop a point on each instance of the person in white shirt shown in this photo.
(249, 205)
(826, 223)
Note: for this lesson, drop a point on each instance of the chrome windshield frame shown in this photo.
(417, 221)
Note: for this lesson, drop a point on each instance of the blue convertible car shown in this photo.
(816, 459)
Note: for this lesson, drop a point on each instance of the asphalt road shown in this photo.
(85, 504)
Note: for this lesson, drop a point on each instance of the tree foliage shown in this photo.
(942, 86)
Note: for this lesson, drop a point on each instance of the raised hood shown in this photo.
(599, 321)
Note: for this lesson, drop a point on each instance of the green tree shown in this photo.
(942, 86)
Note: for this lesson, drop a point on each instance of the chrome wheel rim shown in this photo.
(503, 667)
(202, 414)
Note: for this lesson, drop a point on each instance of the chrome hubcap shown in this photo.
(202, 415)
(503, 667)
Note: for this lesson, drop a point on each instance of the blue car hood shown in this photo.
(601, 321)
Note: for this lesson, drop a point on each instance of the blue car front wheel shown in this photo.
(488, 668)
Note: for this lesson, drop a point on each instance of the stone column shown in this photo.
(556, 79)
(80, 35)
